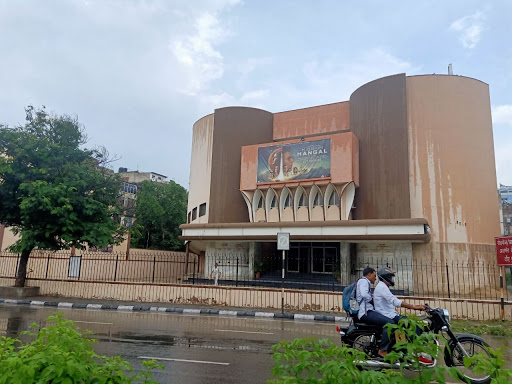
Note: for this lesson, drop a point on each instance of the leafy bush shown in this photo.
(61, 354)
(322, 362)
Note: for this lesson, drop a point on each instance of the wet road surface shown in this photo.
(192, 348)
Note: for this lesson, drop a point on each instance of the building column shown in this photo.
(345, 263)
(252, 251)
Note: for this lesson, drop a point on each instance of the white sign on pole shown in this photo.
(74, 266)
(283, 241)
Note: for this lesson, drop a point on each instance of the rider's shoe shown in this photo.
(425, 360)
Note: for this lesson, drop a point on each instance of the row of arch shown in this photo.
(300, 203)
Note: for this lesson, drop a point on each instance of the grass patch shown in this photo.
(495, 328)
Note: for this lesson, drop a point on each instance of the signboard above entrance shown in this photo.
(295, 161)
(504, 251)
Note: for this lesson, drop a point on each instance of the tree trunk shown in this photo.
(21, 276)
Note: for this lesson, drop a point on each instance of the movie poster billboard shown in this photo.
(297, 161)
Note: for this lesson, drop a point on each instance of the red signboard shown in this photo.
(504, 251)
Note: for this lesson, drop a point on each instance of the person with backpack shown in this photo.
(367, 313)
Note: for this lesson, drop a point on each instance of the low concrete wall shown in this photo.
(270, 299)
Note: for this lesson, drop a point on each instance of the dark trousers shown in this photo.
(373, 317)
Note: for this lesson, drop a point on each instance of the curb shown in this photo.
(194, 311)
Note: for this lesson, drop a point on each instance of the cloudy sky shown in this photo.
(138, 74)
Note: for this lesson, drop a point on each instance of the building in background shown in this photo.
(139, 177)
(505, 198)
(380, 179)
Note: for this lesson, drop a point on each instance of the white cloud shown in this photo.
(470, 29)
(335, 78)
(253, 63)
(197, 52)
(502, 114)
(255, 96)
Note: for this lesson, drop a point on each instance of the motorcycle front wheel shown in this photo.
(455, 358)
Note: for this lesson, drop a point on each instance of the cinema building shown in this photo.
(402, 174)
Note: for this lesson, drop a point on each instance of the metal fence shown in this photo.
(468, 280)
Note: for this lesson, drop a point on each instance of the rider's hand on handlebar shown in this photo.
(420, 307)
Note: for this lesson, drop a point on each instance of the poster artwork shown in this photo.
(297, 161)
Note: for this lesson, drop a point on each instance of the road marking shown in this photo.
(183, 360)
(304, 317)
(92, 322)
(37, 302)
(232, 330)
(65, 305)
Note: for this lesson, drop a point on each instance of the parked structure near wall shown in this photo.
(403, 171)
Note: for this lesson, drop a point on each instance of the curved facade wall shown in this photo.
(201, 166)
(378, 118)
(451, 158)
(216, 161)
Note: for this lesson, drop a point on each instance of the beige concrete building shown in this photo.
(405, 176)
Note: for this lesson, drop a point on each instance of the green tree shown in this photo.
(159, 211)
(53, 193)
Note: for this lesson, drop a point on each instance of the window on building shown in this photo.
(317, 202)
(202, 209)
(273, 204)
(188, 219)
(302, 200)
(194, 214)
(260, 202)
(129, 188)
(334, 199)
(288, 201)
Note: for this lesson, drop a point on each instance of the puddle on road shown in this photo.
(189, 342)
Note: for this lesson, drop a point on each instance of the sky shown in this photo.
(138, 74)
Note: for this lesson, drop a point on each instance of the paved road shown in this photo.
(193, 348)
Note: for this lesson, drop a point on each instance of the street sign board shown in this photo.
(283, 241)
(504, 251)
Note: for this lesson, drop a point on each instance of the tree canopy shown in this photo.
(159, 211)
(53, 192)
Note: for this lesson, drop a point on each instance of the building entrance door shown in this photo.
(313, 258)
(299, 258)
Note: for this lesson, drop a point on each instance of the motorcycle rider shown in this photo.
(367, 313)
(385, 303)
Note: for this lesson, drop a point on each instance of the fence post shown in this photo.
(17, 263)
(236, 283)
(502, 301)
(47, 266)
(448, 280)
(115, 271)
(154, 263)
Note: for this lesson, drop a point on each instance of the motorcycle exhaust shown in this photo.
(377, 364)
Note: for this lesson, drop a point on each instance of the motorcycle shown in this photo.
(366, 338)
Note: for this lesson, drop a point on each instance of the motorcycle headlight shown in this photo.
(446, 314)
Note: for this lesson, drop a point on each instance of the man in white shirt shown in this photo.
(385, 302)
(367, 313)
(216, 274)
